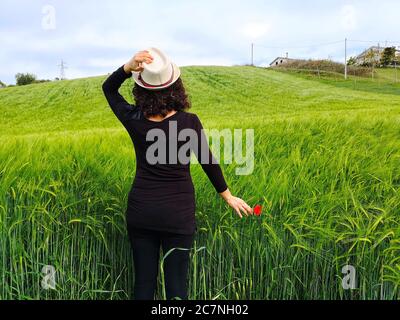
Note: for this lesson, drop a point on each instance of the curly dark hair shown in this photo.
(160, 102)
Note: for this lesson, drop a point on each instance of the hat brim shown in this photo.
(177, 74)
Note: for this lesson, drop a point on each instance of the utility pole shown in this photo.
(252, 54)
(345, 58)
(62, 66)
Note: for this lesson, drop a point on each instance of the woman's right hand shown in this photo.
(237, 204)
(135, 63)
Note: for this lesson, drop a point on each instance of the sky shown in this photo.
(97, 37)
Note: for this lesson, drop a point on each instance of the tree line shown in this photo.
(22, 79)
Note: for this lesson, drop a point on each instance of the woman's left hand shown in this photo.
(238, 205)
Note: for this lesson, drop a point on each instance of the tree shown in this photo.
(370, 60)
(24, 78)
(2, 84)
(388, 56)
(352, 61)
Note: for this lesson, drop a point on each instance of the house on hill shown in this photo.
(365, 56)
(280, 61)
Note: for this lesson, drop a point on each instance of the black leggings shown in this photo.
(146, 254)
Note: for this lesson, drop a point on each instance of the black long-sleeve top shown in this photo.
(162, 196)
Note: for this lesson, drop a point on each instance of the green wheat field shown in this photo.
(327, 173)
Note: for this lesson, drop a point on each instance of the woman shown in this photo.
(161, 203)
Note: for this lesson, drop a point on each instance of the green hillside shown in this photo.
(327, 172)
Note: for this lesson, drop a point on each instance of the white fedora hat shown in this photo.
(159, 74)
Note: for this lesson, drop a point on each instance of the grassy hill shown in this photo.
(327, 171)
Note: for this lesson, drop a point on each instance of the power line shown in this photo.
(321, 44)
(62, 66)
(252, 54)
(371, 41)
(299, 47)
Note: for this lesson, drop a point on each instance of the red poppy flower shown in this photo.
(257, 210)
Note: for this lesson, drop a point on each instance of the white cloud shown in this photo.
(94, 37)
(349, 17)
(193, 61)
(105, 63)
(255, 30)
(88, 36)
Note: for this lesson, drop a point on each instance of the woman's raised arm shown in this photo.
(121, 108)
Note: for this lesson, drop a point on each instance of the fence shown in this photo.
(334, 51)
(377, 84)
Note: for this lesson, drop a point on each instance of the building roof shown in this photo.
(281, 58)
(373, 48)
